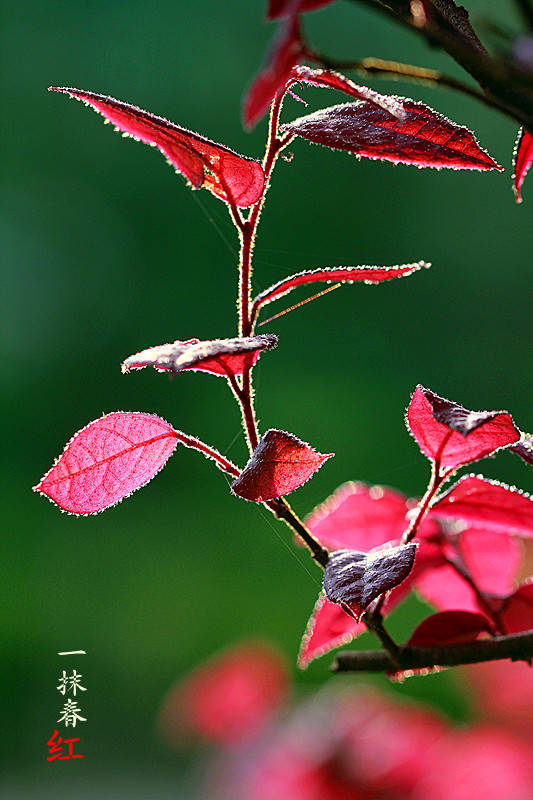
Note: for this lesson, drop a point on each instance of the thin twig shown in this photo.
(517, 647)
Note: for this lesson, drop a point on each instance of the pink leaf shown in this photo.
(354, 579)
(423, 137)
(518, 610)
(493, 559)
(327, 79)
(522, 160)
(229, 699)
(524, 448)
(329, 627)
(486, 504)
(107, 460)
(450, 627)
(365, 274)
(226, 357)
(284, 53)
(230, 176)
(443, 588)
(280, 464)
(450, 433)
(284, 8)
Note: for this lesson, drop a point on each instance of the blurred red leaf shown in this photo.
(283, 54)
(217, 356)
(107, 460)
(280, 464)
(423, 137)
(443, 588)
(486, 504)
(227, 174)
(518, 610)
(365, 274)
(354, 579)
(449, 627)
(283, 8)
(457, 436)
(522, 160)
(229, 699)
(524, 448)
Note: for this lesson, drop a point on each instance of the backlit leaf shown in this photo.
(364, 274)
(449, 627)
(422, 137)
(280, 464)
(227, 174)
(522, 161)
(486, 504)
(354, 579)
(456, 436)
(329, 627)
(107, 460)
(518, 610)
(217, 356)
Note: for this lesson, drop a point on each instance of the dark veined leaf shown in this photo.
(450, 627)
(523, 158)
(488, 505)
(353, 579)
(524, 448)
(280, 464)
(364, 274)
(422, 137)
(453, 434)
(228, 175)
(226, 357)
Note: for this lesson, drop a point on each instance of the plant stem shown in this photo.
(283, 511)
(517, 647)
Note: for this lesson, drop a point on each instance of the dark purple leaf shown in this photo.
(218, 356)
(423, 137)
(354, 579)
(524, 448)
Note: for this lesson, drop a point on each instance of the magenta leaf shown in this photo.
(450, 433)
(522, 160)
(328, 79)
(443, 588)
(227, 357)
(107, 460)
(524, 448)
(230, 176)
(422, 137)
(353, 579)
(450, 627)
(329, 627)
(488, 505)
(518, 610)
(365, 274)
(280, 464)
(283, 54)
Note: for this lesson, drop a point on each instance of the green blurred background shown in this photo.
(106, 251)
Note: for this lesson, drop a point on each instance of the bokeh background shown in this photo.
(106, 251)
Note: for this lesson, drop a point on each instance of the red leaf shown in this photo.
(327, 79)
(107, 460)
(524, 448)
(365, 274)
(493, 559)
(486, 504)
(280, 464)
(229, 699)
(522, 160)
(452, 433)
(329, 627)
(518, 610)
(284, 8)
(226, 357)
(203, 162)
(284, 53)
(423, 137)
(450, 627)
(354, 579)
(443, 588)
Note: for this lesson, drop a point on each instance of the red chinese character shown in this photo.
(56, 748)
